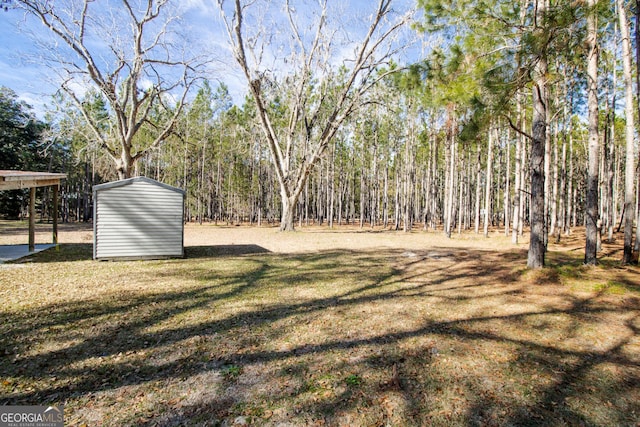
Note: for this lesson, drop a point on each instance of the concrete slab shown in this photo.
(13, 252)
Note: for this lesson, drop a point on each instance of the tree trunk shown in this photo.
(525, 198)
(478, 192)
(288, 213)
(447, 183)
(331, 186)
(461, 189)
(427, 194)
(363, 189)
(629, 196)
(636, 246)
(385, 198)
(517, 212)
(305, 217)
(405, 185)
(507, 186)
(450, 172)
(547, 169)
(570, 200)
(537, 249)
(451, 188)
(374, 190)
(487, 194)
(468, 181)
(125, 165)
(342, 189)
(433, 190)
(591, 210)
(609, 149)
(562, 217)
(554, 187)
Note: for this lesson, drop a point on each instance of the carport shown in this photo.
(17, 180)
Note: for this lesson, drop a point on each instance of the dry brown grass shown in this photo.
(323, 327)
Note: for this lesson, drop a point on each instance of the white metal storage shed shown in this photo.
(137, 218)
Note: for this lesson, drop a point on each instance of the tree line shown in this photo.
(512, 120)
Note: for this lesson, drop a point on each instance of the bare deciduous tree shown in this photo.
(322, 81)
(129, 54)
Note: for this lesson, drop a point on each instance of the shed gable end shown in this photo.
(138, 220)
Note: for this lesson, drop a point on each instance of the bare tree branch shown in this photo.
(137, 51)
(516, 128)
(318, 96)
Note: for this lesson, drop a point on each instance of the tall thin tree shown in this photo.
(537, 248)
(629, 194)
(591, 244)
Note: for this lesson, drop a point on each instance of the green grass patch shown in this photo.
(612, 287)
(231, 372)
(353, 380)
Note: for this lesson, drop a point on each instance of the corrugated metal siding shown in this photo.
(139, 219)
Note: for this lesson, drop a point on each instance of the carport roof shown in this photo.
(15, 180)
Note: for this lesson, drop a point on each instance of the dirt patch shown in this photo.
(305, 239)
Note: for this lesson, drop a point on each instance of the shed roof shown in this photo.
(15, 180)
(129, 181)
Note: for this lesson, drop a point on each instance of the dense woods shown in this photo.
(517, 117)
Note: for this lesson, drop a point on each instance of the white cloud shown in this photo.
(198, 7)
(79, 88)
(145, 84)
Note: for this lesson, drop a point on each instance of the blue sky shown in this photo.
(17, 72)
(21, 68)
(34, 82)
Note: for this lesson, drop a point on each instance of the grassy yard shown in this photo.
(324, 328)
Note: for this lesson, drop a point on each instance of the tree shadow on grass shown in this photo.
(222, 250)
(554, 403)
(266, 321)
(72, 252)
(64, 252)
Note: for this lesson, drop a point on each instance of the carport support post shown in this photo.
(55, 214)
(32, 219)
